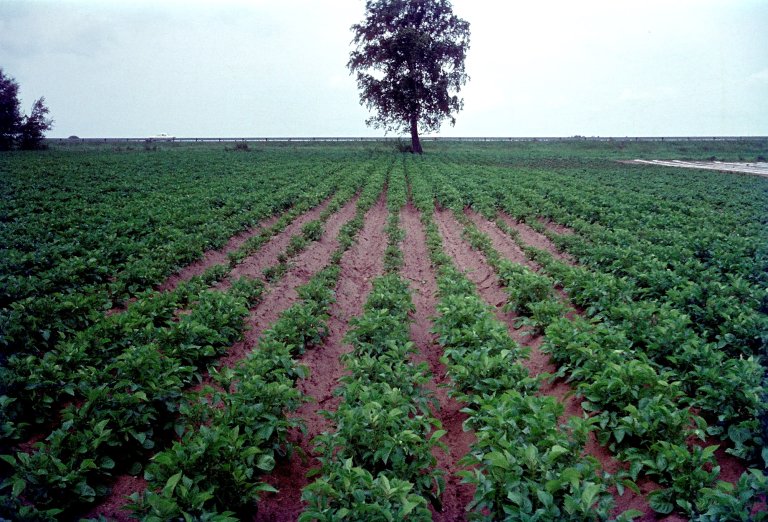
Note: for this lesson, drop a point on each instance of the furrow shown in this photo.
(418, 271)
(491, 290)
(283, 294)
(359, 265)
(279, 297)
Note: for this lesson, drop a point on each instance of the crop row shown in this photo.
(641, 411)
(378, 463)
(119, 420)
(237, 431)
(53, 463)
(69, 254)
(725, 387)
(525, 464)
(693, 240)
(34, 386)
(727, 391)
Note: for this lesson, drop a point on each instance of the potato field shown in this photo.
(340, 331)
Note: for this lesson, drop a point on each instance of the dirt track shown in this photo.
(757, 168)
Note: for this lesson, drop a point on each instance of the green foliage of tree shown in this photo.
(34, 126)
(15, 129)
(10, 116)
(409, 64)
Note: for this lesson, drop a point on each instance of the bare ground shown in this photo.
(359, 265)
(490, 289)
(278, 298)
(252, 266)
(282, 294)
(755, 168)
(418, 271)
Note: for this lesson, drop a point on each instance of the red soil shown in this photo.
(282, 294)
(557, 228)
(490, 289)
(218, 257)
(530, 237)
(731, 467)
(418, 271)
(279, 297)
(359, 265)
(266, 256)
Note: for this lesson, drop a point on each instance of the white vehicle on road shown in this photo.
(161, 137)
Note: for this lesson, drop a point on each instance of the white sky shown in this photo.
(278, 67)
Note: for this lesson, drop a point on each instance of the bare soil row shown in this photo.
(277, 298)
(359, 265)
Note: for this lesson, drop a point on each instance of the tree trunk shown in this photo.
(415, 143)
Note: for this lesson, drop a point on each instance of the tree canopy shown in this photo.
(10, 115)
(409, 64)
(34, 126)
(26, 131)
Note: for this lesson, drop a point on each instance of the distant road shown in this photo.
(427, 138)
(757, 168)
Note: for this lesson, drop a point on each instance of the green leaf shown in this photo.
(171, 484)
(437, 435)
(545, 498)
(498, 459)
(589, 494)
(630, 484)
(12, 461)
(629, 515)
(18, 486)
(660, 503)
(709, 451)
(266, 488)
(556, 451)
(266, 463)
(686, 505)
(408, 506)
(553, 485)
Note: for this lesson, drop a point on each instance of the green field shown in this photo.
(646, 292)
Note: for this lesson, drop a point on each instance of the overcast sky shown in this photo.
(278, 67)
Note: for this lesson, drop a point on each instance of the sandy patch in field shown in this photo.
(757, 168)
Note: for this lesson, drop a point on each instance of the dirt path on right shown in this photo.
(758, 168)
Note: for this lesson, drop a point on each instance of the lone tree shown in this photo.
(26, 131)
(34, 126)
(409, 61)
